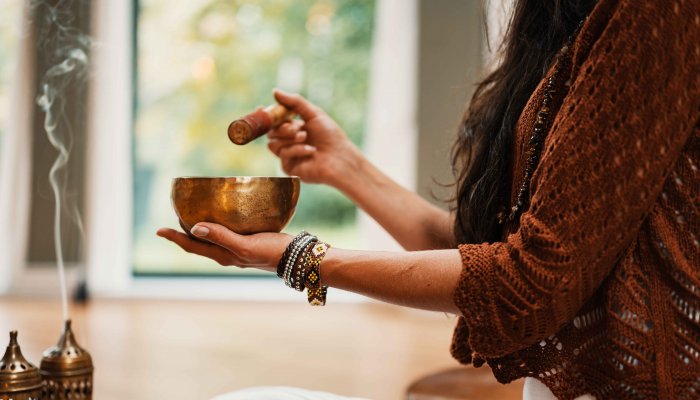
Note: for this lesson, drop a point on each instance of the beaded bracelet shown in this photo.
(293, 274)
(315, 292)
(299, 269)
(287, 252)
(291, 253)
(296, 251)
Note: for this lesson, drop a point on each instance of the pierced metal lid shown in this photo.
(16, 373)
(67, 358)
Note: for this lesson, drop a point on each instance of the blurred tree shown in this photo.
(205, 62)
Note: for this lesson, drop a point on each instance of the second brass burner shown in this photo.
(66, 369)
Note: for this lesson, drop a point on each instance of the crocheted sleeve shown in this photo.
(632, 105)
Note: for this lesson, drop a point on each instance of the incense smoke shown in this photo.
(65, 48)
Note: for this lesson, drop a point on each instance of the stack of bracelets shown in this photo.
(300, 267)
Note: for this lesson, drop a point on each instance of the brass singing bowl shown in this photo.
(243, 204)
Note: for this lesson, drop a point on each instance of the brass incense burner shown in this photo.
(19, 379)
(66, 369)
(243, 204)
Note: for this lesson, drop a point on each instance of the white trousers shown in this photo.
(280, 393)
(532, 390)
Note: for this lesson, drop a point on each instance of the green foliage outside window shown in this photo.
(201, 64)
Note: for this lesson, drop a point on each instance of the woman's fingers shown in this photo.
(302, 167)
(208, 250)
(296, 151)
(287, 130)
(220, 236)
(293, 156)
(297, 103)
(275, 145)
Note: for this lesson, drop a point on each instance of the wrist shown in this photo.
(300, 267)
(328, 266)
(349, 171)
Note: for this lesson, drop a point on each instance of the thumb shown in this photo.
(218, 235)
(296, 103)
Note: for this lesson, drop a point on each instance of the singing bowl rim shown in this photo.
(237, 178)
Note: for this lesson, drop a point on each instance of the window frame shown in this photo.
(109, 157)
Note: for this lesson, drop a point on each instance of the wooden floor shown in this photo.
(194, 350)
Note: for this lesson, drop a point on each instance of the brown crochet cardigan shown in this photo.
(597, 289)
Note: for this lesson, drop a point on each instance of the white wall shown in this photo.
(450, 63)
(392, 131)
(15, 165)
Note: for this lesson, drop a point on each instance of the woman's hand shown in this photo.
(262, 250)
(317, 150)
(314, 148)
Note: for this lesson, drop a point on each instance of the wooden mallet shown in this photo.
(258, 123)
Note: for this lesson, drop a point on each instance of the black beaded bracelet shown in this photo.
(299, 269)
(293, 257)
(288, 251)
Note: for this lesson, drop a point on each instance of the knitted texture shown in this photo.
(597, 288)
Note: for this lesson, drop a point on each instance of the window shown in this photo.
(203, 63)
(9, 38)
(172, 121)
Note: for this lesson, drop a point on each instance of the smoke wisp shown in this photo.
(65, 48)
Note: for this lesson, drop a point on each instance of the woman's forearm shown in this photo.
(418, 279)
(421, 279)
(411, 220)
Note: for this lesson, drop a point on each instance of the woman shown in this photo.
(571, 256)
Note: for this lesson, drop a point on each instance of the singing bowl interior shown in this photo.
(243, 204)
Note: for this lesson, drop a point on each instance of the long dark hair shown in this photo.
(481, 155)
